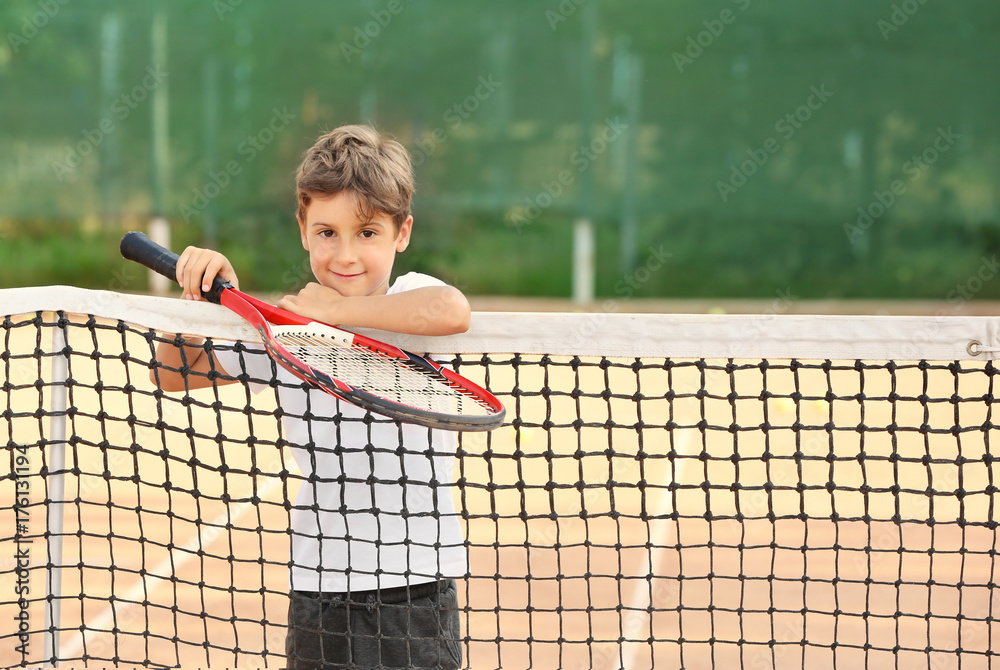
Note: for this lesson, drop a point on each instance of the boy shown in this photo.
(376, 544)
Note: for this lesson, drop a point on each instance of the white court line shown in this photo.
(637, 616)
(102, 624)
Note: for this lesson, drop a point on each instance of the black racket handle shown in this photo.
(136, 246)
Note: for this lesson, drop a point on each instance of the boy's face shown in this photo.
(352, 257)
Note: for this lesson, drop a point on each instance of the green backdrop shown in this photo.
(721, 148)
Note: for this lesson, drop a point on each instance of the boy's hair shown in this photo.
(357, 159)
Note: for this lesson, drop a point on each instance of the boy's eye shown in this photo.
(368, 233)
(326, 233)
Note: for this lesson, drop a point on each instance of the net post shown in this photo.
(159, 232)
(583, 261)
(56, 494)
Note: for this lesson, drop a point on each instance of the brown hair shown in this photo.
(357, 159)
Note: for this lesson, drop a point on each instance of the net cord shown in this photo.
(603, 333)
(57, 496)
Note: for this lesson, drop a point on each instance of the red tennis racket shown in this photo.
(373, 375)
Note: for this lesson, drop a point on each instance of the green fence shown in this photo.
(721, 148)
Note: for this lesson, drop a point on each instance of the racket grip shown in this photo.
(136, 246)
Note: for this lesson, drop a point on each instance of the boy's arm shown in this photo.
(431, 310)
(194, 356)
(195, 268)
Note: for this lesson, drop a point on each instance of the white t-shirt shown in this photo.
(355, 515)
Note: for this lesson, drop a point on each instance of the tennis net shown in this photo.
(668, 491)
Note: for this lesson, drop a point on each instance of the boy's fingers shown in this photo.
(222, 268)
(193, 272)
(182, 266)
(189, 259)
(190, 278)
(182, 262)
(212, 270)
(316, 291)
(198, 268)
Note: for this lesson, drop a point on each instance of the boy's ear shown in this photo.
(403, 237)
(302, 232)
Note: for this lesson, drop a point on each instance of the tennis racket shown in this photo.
(375, 376)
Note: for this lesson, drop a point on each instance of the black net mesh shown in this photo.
(630, 513)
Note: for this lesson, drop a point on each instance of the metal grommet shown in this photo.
(973, 347)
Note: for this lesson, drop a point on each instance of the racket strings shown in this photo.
(383, 375)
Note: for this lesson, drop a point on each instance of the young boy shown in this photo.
(376, 544)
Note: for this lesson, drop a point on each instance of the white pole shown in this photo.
(583, 262)
(159, 232)
(159, 228)
(56, 494)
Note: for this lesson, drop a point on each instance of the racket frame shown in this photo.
(138, 247)
(261, 316)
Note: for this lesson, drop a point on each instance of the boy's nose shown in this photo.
(345, 253)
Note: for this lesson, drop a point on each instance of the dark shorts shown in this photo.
(414, 627)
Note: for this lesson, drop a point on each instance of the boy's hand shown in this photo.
(315, 301)
(198, 268)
